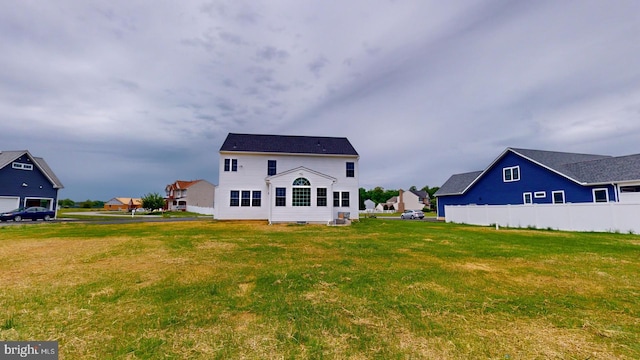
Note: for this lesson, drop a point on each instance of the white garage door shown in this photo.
(8, 203)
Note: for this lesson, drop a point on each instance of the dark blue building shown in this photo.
(26, 181)
(522, 176)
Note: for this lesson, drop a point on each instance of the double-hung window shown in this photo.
(345, 199)
(351, 169)
(246, 198)
(341, 199)
(511, 174)
(271, 167)
(235, 198)
(321, 196)
(257, 198)
(230, 164)
(336, 199)
(281, 196)
(526, 198)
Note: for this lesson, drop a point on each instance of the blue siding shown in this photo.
(38, 185)
(490, 189)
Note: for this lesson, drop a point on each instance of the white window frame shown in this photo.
(553, 197)
(540, 194)
(606, 192)
(524, 198)
(509, 170)
(256, 198)
(280, 200)
(22, 166)
(301, 192)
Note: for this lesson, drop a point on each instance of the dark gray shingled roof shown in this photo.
(291, 144)
(582, 168)
(607, 170)
(7, 157)
(457, 183)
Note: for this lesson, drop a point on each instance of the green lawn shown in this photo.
(381, 289)
(101, 214)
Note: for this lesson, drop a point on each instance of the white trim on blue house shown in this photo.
(569, 177)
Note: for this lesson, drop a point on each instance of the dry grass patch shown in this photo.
(378, 289)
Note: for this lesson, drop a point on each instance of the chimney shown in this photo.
(400, 201)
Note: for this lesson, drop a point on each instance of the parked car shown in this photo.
(34, 213)
(412, 214)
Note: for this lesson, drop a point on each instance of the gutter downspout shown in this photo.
(270, 200)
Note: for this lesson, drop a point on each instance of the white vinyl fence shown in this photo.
(601, 217)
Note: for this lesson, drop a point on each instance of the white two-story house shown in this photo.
(282, 178)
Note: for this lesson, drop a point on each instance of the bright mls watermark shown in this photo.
(39, 350)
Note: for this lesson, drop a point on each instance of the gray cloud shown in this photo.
(270, 53)
(317, 65)
(124, 98)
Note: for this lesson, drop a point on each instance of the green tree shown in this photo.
(87, 204)
(363, 196)
(431, 192)
(66, 203)
(152, 201)
(377, 195)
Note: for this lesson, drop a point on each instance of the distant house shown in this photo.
(26, 181)
(195, 196)
(407, 200)
(283, 178)
(390, 204)
(414, 199)
(523, 178)
(123, 204)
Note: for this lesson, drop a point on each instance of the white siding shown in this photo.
(251, 175)
(312, 213)
(411, 201)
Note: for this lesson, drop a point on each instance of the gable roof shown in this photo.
(420, 193)
(291, 144)
(125, 201)
(584, 169)
(457, 183)
(182, 184)
(7, 157)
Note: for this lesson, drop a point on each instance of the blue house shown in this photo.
(26, 181)
(522, 176)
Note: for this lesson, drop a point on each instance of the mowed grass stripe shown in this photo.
(378, 289)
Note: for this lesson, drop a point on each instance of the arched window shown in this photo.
(301, 195)
(301, 182)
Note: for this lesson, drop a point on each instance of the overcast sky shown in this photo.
(124, 97)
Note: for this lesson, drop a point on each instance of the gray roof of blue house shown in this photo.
(291, 144)
(7, 157)
(582, 168)
(457, 183)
